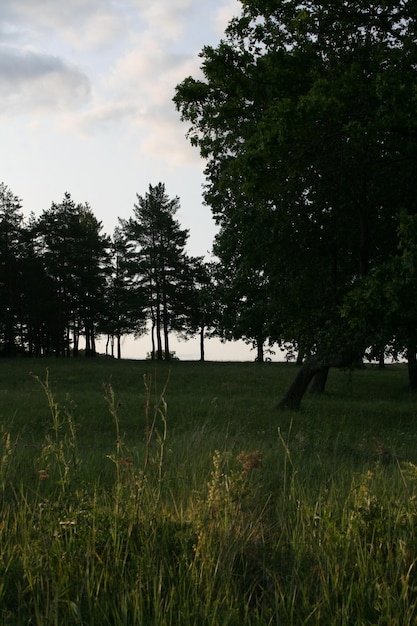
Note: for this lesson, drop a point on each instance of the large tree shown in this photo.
(305, 115)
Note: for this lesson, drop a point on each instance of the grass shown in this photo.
(176, 495)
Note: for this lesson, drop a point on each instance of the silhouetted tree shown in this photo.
(125, 301)
(11, 267)
(75, 257)
(159, 244)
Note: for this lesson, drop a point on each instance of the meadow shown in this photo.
(135, 493)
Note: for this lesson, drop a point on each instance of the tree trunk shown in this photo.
(119, 346)
(75, 339)
(294, 395)
(260, 350)
(93, 343)
(165, 325)
(412, 365)
(301, 353)
(153, 334)
(160, 354)
(381, 360)
(167, 353)
(202, 343)
(87, 342)
(292, 398)
(318, 384)
(300, 357)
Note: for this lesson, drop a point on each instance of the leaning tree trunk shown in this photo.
(294, 395)
(292, 399)
(318, 384)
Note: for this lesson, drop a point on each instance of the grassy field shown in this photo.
(134, 493)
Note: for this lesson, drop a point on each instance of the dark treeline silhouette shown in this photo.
(64, 283)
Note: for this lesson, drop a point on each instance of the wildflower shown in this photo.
(250, 460)
(126, 461)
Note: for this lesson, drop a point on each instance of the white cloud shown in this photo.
(168, 139)
(151, 46)
(33, 81)
(223, 15)
(84, 24)
(166, 18)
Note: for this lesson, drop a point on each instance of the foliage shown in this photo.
(11, 265)
(383, 304)
(305, 115)
(200, 303)
(125, 299)
(160, 268)
(172, 356)
(61, 278)
(74, 253)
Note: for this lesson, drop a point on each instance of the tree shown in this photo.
(305, 116)
(199, 305)
(243, 299)
(383, 304)
(75, 257)
(125, 302)
(37, 293)
(159, 245)
(11, 254)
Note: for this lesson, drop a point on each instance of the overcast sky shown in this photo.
(86, 90)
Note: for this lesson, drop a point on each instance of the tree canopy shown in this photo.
(158, 245)
(305, 115)
(63, 279)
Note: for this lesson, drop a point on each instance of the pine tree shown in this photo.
(11, 253)
(159, 244)
(75, 256)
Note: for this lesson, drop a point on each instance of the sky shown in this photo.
(86, 90)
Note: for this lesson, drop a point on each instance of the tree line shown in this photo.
(64, 282)
(62, 279)
(306, 116)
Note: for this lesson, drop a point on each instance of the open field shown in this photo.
(135, 493)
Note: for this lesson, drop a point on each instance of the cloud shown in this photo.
(30, 81)
(134, 51)
(167, 137)
(166, 18)
(223, 15)
(84, 24)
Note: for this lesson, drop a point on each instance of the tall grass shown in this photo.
(211, 508)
